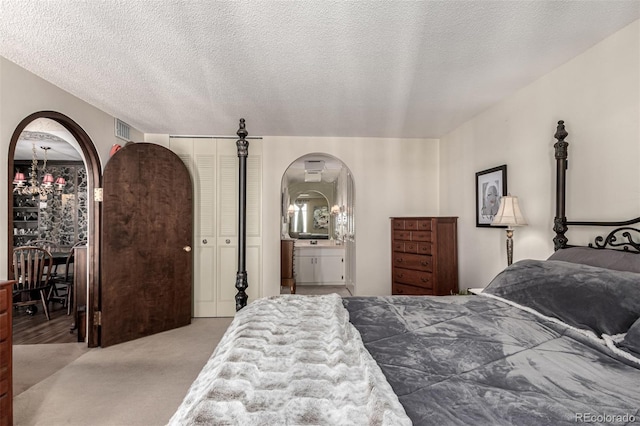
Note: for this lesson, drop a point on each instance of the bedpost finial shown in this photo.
(561, 132)
(561, 146)
(242, 131)
(242, 144)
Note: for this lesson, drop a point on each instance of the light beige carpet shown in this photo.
(135, 383)
(34, 363)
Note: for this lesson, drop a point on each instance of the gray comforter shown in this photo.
(478, 360)
(534, 349)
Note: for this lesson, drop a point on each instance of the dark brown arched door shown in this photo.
(146, 258)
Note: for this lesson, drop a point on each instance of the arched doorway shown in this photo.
(318, 212)
(93, 175)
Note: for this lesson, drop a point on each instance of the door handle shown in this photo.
(186, 248)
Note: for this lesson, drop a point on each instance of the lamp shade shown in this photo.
(509, 213)
(60, 183)
(47, 180)
(19, 178)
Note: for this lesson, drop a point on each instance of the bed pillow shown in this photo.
(631, 341)
(603, 258)
(602, 300)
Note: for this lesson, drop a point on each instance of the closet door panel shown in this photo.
(226, 290)
(205, 181)
(227, 277)
(227, 196)
(213, 164)
(204, 153)
(204, 282)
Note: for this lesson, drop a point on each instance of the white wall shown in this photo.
(22, 94)
(392, 177)
(598, 96)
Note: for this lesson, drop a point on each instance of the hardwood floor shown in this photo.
(30, 330)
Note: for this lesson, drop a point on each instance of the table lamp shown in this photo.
(509, 215)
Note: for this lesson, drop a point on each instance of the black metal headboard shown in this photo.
(624, 237)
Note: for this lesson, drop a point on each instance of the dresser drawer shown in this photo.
(4, 326)
(424, 248)
(5, 298)
(397, 224)
(4, 359)
(408, 290)
(409, 276)
(5, 403)
(412, 261)
(412, 224)
(421, 236)
(417, 225)
(401, 235)
(424, 225)
(412, 247)
(412, 236)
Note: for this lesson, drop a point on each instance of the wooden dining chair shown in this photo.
(48, 245)
(64, 283)
(32, 268)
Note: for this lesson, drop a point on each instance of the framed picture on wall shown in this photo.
(491, 185)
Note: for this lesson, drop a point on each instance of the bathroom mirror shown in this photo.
(311, 216)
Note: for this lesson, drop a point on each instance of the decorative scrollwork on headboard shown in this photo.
(621, 238)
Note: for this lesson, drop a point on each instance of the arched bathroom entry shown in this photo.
(317, 215)
(93, 180)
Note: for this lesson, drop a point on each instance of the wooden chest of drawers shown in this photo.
(6, 411)
(424, 255)
(286, 265)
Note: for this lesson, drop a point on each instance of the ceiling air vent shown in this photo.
(313, 170)
(314, 166)
(122, 130)
(312, 176)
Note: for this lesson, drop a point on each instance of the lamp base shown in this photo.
(509, 246)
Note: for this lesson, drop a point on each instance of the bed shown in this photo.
(553, 341)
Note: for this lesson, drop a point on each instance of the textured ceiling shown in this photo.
(321, 68)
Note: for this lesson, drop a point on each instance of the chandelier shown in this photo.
(42, 189)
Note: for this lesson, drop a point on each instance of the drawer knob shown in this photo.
(400, 260)
(424, 263)
(400, 275)
(424, 280)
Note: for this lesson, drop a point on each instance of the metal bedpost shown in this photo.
(560, 220)
(241, 277)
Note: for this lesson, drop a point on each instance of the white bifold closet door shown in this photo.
(213, 164)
